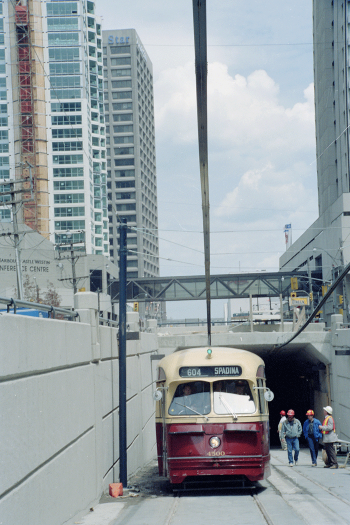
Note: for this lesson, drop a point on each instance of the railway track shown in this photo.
(297, 496)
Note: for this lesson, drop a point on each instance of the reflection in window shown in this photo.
(191, 399)
(233, 397)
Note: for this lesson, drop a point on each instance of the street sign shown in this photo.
(298, 301)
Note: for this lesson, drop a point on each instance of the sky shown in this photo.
(261, 131)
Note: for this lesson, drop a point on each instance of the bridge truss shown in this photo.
(229, 286)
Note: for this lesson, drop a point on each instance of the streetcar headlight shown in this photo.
(214, 442)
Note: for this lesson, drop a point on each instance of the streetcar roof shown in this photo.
(220, 357)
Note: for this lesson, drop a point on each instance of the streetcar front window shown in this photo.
(191, 399)
(233, 397)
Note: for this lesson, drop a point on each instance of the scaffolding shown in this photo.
(28, 92)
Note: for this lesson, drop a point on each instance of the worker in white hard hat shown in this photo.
(329, 437)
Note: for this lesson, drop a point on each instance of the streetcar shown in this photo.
(212, 414)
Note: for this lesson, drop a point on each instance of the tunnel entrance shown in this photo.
(295, 381)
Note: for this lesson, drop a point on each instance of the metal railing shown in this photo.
(15, 304)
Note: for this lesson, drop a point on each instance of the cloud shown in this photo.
(261, 170)
(242, 111)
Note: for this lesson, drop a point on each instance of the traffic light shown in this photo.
(324, 290)
(136, 307)
(294, 283)
(341, 299)
(311, 296)
(293, 294)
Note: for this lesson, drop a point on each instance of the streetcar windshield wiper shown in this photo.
(195, 411)
(227, 406)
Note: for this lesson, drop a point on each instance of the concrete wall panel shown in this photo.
(146, 375)
(40, 415)
(148, 405)
(57, 491)
(149, 450)
(133, 420)
(27, 346)
(104, 374)
(133, 376)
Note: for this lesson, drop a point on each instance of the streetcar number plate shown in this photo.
(210, 371)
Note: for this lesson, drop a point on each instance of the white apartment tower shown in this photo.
(51, 77)
(131, 156)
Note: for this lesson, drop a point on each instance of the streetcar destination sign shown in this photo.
(210, 371)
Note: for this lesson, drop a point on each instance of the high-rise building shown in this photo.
(131, 155)
(324, 249)
(51, 85)
(332, 90)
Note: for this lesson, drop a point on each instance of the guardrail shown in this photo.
(52, 310)
(108, 322)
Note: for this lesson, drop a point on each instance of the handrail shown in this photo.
(18, 303)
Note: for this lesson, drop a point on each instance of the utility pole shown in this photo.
(73, 262)
(72, 257)
(17, 249)
(123, 472)
(8, 189)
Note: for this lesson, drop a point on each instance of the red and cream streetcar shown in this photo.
(212, 414)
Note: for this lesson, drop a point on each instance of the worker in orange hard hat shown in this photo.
(279, 430)
(291, 430)
(312, 435)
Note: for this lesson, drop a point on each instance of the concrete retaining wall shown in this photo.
(59, 414)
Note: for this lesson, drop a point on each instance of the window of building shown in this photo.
(124, 139)
(67, 146)
(65, 55)
(62, 133)
(119, 50)
(118, 106)
(65, 93)
(62, 8)
(69, 198)
(126, 196)
(120, 73)
(61, 68)
(77, 211)
(68, 185)
(69, 225)
(123, 151)
(67, 159)
(120, 84)
(66, 120)
(126, 207)
(63, 39)
(68, 172)
(125, 184)
(62, 24)
(120, 61)
(122, 117)
(124, 162)
(123, 129)
(124, 173)
(58, 107)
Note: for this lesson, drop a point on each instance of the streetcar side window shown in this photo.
(233, 397)
(191, 399)
(262, 402)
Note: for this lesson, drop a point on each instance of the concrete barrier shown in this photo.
(59, 420)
